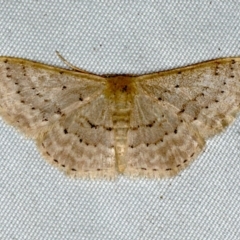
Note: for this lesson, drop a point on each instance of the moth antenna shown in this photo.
(69, 64)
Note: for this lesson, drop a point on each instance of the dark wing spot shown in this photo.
(135, 128)
(80, 99)
(168, 169)
(80, 140)
(64, 87)
(73, 169)
(150, 124)
(160, 99)
(59, 111)
(177, 86)
(92, 125)
(124, 89)
(55, 160)
(65, 131)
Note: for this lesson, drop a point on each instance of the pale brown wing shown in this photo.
(63, 111)
(34, 95)
(174, 112)
(82, 143)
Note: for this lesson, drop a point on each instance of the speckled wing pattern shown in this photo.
(175, 111)
(152, 125)
(58, 108)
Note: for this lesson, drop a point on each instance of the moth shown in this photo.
(88, 125)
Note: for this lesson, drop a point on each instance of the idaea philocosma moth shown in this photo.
(151, 125)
